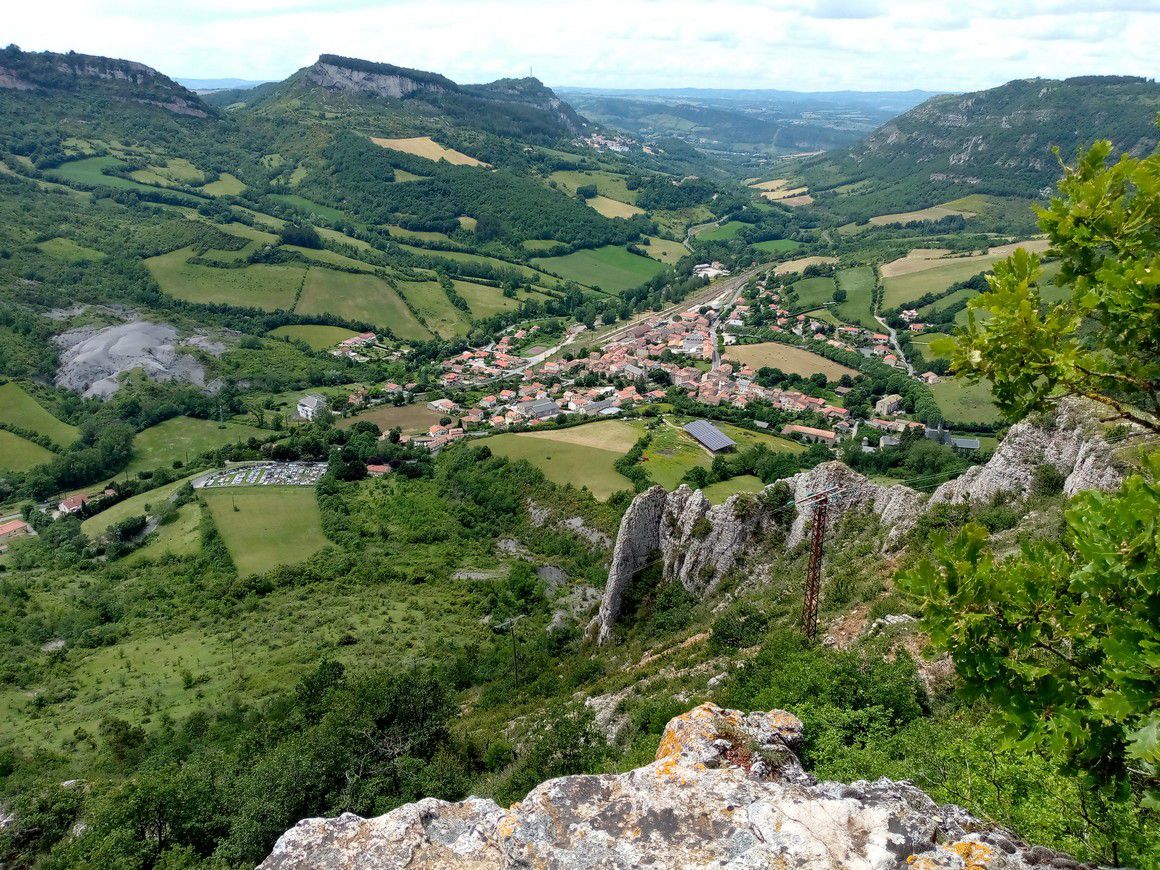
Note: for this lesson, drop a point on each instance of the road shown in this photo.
(894, 342)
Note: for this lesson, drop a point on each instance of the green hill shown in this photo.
(996, 141)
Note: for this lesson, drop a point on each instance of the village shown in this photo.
(516, 383)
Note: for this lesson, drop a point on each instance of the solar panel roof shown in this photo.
(709, 435)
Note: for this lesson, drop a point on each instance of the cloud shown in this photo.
(790, 44)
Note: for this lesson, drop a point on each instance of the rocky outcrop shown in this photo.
(1072, 442)
(897, 506)
(725, 790)
(637, 542)
(699, 544)
(93, 359)
(389, 82)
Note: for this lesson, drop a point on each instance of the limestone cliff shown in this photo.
(725, 790)
(699, 544)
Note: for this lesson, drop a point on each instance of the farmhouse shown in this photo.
(378, 470)
(14, 529)
(891, 404)
(709, 436)
(73, 504)
(445, 406)
(809, 433)
(310, 405)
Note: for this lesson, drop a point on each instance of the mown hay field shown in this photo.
(789, 359)
(426, 147)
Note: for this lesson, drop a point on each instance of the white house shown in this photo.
(310, 405)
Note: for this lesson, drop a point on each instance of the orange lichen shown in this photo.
(975, 856)
(506, 826)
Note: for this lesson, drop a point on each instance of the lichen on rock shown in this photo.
(725, 791)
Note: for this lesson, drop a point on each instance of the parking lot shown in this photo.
(266, 474)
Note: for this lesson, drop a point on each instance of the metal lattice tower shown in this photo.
(814, 573)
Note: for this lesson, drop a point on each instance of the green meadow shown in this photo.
(268, 287)
(184, 438)
(859, 286)
(319, 337)
(18, 408)
(610, 268)
(20, 454)
(360, 297)
(266, 526)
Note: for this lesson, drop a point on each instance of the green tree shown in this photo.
(1063, 637)
(1103, 340)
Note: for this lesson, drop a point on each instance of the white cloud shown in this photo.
(791, 44)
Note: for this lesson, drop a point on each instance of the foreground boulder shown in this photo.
(726, 790)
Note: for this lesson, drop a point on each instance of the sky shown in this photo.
(787, 44)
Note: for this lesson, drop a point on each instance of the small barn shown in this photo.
(709, 436)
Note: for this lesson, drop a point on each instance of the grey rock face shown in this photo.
(725, 791)
(699, 543)
(637, 542)
(1072, 443)
(91, 359)
(898, 506)
(341, 78)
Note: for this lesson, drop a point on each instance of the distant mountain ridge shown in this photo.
(70, 72)
(508, 106)
(995, 141)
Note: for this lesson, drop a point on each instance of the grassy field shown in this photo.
(176, 170)
(859, 286)
(612, 208)
(581, 456)
(789, 359)
(777, 246)
(799, 264)
(665, 250)
(90, 171)
(923, 271)
(720, 233)
(309, 207)
(468, 257)
(720, 492)
(610, 268)
(814, 292)
(318, 337)
(963, 402)
(608, 184)
(412, 419)
(184, 438)
(673, 452)
(20, 454)
(435, 308)
(358, 297)
(70, 251)
(18, 408)
(142, 503)
(485, 301)
(179, 537)
(425, 146)
(226, 185)
(423, 235)
(934, 213)
(266, 526)
(268, 287)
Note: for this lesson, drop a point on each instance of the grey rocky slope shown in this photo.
(92, 359)
(725, 790)
(698, 544)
